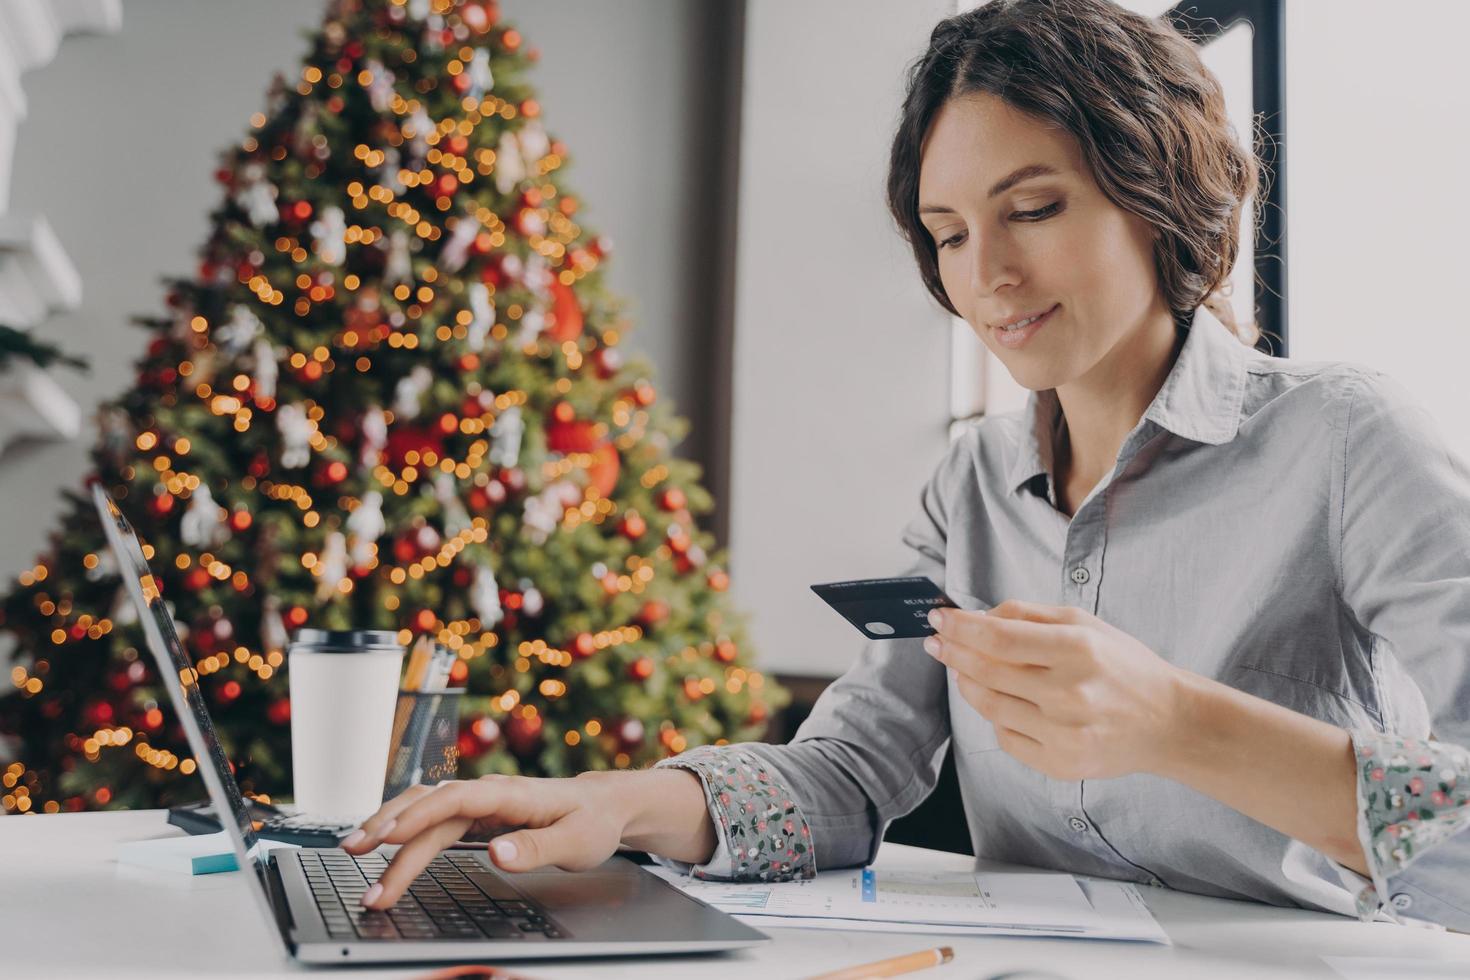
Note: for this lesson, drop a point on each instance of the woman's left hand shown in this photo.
(1068, 694)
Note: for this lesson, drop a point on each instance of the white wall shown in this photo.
(840, 392)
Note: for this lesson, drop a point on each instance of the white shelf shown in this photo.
(33, 406)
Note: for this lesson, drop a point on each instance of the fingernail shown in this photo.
(931, 646)
(936, 619)
(504, 850)
(356, 837)
(371, 895)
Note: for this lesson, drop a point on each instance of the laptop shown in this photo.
(462, 907)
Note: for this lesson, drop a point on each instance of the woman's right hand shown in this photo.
(574, 823)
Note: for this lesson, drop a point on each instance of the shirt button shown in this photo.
(1079, 575)
(1077, 824)
(1402, 900)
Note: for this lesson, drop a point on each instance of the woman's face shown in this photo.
(1011, 248)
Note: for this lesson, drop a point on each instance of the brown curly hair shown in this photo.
(1150, 118)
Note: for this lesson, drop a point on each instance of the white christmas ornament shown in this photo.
(410, 391)
(203, 524)
(481, 81)
(510, 169)
(538, 276)
(331, 565)
(267, 371)
(544, 511)
(446, 491)
(380, 89)
(105, 568)
(240, 332)
(505, 437)
(272, 629)
(374, 435)
(296, 430)
(534, 142)
(485, 598)
(482, 313)
(330, 233)
(256, 195)
(457, 248)
(398, 268)
(418, 129)
(532, 322)
(531, 601)
(366, 525)
(389, 172)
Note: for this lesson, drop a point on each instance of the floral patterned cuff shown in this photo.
(759, 824)
(1412, 794)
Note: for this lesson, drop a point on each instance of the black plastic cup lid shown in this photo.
(346, 641)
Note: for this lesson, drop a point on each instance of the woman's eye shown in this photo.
(1040, 214)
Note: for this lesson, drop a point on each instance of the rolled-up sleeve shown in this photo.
(1402, 540)
(871, 749)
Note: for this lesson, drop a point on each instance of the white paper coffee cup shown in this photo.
(344, 687)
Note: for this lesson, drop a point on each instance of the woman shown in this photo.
(1256, 572)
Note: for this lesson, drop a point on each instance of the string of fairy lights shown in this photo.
(544, 222)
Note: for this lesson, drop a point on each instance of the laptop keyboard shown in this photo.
(442, 903)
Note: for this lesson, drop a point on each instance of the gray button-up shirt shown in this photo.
(1296, 530)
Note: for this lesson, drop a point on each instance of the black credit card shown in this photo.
(886, 608)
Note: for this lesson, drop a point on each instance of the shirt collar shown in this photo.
(1200, 399)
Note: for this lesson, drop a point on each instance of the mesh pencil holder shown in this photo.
(425, 742)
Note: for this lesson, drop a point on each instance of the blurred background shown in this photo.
(734, 151)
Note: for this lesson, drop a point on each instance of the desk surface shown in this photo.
(67, 909)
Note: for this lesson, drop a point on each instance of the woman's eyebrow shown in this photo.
(1001, 186)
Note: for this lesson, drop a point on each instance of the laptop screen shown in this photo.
(182, 680)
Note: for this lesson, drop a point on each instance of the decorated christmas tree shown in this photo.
(391, 397)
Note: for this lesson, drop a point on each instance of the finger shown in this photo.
(374, 829)
(1036, 612)
(577, 842)
(1016, 640)
(511, 801)
(412, 858)
(1002, 710)
(1033, 683)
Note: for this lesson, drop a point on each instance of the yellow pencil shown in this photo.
(893, 967)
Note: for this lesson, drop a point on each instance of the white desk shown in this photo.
(67, 909)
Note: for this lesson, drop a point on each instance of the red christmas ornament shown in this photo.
(584, 646)
(654, 612)
(567, 204)
(279, 712)
(633, 525)
(718, 580)
(334, 472)
(196, 580)
(725, 651)
(523, 734)
(229, 691)
(404, 550)
(418, 438)
(162, 504)
(672, 499)
(462, 577)
(295, 617)
(691, 689)
(424, 621)
(566, 311)
(578, 436)
(641, 669)
(757, 712)
(603, 473)
(446, 184)
(240, 520)
(531, 197)
(644, 394)
(260, 465)
(457, 145)
(461, 83)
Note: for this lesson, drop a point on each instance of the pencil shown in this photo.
(893, 967)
